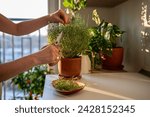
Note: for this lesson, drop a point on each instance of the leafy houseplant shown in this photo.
(74, 39)
(74, 5)
(32, 82)
(104, 38)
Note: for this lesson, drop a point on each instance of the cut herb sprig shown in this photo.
(66, 85)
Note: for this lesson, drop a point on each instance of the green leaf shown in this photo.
(68, 4)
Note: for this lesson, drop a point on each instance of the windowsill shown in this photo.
(105, 86)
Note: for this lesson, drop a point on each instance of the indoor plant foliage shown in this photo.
(32, 82)
(74, 5)
(74, 39)
(104, 35)
(104, 39)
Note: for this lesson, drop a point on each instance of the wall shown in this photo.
(132, 16)
(104, 13)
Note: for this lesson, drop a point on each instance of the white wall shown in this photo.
(137, 44)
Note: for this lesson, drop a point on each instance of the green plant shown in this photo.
(75, 5)
(75, 35)
(104, 35)
(32, 81)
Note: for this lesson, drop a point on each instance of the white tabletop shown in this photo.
(107, 86)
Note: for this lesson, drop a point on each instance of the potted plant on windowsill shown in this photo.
(74, 40)
(104, 41)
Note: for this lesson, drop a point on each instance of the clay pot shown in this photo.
(69, 67)
(113, 62)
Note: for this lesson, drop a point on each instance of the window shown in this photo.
(11, 47)
(23, 8)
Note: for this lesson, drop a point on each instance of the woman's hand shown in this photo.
(47, 55)
(59, 17)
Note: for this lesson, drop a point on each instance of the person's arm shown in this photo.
(10, 69)
(27, 27)
(49, 54)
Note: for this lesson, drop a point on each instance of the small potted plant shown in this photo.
(104, 41)
(74, 40)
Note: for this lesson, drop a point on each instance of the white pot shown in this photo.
(54, 68)
(85, 64)
(0, 90)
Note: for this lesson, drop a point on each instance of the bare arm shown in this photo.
(49, 54)
(27, 27)
(8, 70)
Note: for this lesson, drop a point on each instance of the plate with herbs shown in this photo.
(67, 86)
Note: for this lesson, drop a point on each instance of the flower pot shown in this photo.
(69, 67)
(113, 62)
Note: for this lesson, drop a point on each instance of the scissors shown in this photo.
(57, 42)
(59, 37)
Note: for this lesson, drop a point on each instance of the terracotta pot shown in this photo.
(69, 67)
(113, 62)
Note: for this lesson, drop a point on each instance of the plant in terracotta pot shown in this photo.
(74, 40)
(104, 41)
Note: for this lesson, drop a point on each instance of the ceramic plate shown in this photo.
(71, 91)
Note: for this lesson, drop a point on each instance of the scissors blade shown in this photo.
(59, 37)
(58, 43)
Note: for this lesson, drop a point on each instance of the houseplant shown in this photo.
(104, 41)
(74, 39)
(31, 82)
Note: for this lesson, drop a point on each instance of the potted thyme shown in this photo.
(74, 39)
